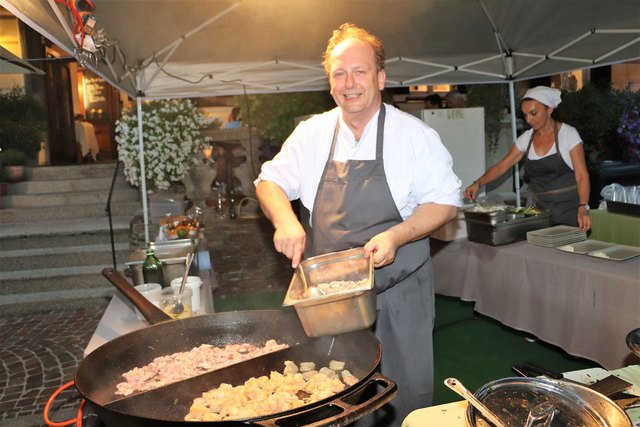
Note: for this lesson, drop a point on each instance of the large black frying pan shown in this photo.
(102, 369)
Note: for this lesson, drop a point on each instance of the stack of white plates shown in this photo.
(556, 236)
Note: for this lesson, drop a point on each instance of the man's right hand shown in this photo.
(289, 239)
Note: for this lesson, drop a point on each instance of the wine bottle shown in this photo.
(152, 268)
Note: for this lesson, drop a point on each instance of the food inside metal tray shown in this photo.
(332, 274)
(496, 214)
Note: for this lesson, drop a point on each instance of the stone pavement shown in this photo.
(39, 352)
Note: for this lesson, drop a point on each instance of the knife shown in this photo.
(531, 367)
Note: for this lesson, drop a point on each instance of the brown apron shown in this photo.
(552, 185)
(354, 203)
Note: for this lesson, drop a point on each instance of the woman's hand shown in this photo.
(471, 191)
(584, 219)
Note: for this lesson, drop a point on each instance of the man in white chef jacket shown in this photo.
(368, 174)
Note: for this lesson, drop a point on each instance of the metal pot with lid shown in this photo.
(515, 401)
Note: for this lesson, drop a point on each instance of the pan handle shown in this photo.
(150, 312)
(348, 412)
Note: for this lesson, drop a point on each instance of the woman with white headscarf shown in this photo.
(554, 161)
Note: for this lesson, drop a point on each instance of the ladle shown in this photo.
(457, 386)
(633, 341)
(307, 291)
(303, 278)
(178, 307)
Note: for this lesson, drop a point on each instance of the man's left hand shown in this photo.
(384, 247)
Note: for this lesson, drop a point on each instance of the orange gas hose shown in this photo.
(77, 420)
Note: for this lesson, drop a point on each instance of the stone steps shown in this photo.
(31, 262)
(24, 246)
(91, 170)
(74, 198)
(69, 184)
(55, 235)
(96, 210)
(62, 227)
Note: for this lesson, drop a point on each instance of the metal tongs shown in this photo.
(541, 415)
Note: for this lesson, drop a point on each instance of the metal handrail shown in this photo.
(108, 210)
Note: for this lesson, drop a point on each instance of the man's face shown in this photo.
(354, 79)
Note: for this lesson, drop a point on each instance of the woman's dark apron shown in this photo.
(354, 203)
(552, 185)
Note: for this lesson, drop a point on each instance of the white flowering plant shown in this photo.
(173, 141)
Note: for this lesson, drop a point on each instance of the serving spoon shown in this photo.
(457, 386)
(178, 307)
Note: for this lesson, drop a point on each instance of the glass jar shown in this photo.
(170, 297)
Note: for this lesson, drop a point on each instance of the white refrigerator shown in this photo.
(462, 133)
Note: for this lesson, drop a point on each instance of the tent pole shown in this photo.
(63, 23)
(514, 134)
(143, 174)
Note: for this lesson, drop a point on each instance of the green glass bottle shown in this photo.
(152, 268)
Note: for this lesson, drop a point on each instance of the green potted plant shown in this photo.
(14, 163)
(595, 110)
(22, 121)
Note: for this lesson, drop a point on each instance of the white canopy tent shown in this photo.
(193, 48)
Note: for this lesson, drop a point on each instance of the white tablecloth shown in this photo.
(582, 304)
(86, 136)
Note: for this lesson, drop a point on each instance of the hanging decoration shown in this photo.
(89, 39)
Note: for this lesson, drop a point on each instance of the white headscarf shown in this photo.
(546, 95)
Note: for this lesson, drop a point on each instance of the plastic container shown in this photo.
(338, 312)
(152, 292)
